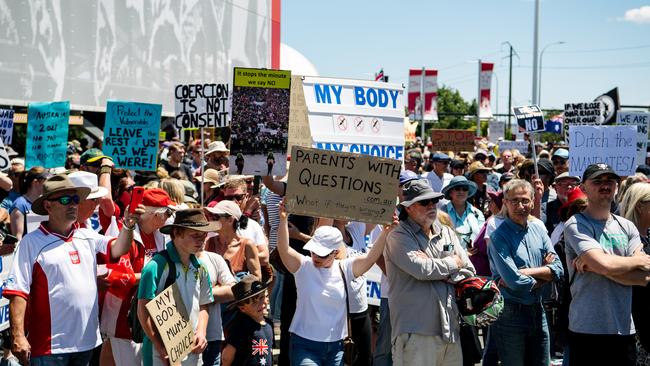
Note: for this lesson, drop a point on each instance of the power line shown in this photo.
(613, 66)
(601, 49)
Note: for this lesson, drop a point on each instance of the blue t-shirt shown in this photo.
(22, 204)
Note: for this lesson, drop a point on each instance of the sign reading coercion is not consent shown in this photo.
(202, 105)
(170, 317)
(611, 145)
(342, 185)
(131, 134)
(47, 134)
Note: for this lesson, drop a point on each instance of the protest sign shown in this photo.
(521, 146)
(642, 122)
(131, 134)
(583, 114)
(202, 105)
(612, 145)
(6, 125)
(349, 113)
(169, 315)
(529, 118)
(47, 134)
(496, 130)
(452, 140)
(410, 130)
(4, 157)
(260, 119)
(299, 133)
(342, 185)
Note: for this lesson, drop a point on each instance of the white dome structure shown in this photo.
(290, 59)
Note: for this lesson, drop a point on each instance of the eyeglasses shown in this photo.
(461, 188)
(234, 197)
(428, 202)
(520, 201)
(66, 200)
(321, 257)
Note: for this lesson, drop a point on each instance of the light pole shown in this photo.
(541, 55)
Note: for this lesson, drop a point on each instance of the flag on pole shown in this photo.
(554, 125)
(485, 82)
(611, 104)
(430, 94)
(379, 76)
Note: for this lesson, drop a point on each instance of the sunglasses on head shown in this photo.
(235, 197)
(320, 256)
(66, 200)
(428, 202)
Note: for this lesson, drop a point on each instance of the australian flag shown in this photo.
(554, 125)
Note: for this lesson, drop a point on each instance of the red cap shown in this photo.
(156, 197)
(574, 194)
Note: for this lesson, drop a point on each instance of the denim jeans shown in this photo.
(521, 335)
(276, 296)
(383, 355)
(305, 352)
(63, 359)
(212, 354)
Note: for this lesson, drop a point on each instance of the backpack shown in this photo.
(137, 333)
(479, 300)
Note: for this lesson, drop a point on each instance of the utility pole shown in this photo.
(535, 52)
(512, 52)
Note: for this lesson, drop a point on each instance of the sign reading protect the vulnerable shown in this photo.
(611, 145)
(170, 317)
(6, 125)
(356, 116)
(202, 105)
(131, 134)
(47, 134)
(642, 122)
(452, 140)
(342, 185)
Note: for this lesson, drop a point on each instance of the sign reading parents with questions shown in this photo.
(202, 105)
(47, 134)
(612, 145)
(169, 315)
(131, 134)
(340, 185)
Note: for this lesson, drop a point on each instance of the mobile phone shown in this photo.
(136, 198)
(256, 184)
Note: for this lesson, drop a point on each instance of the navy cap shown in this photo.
(440, 157)
(406, 176)
(596, 170)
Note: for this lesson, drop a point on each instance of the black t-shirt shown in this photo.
(253, 341)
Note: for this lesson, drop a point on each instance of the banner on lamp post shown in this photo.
(485, 82)
(430, 94)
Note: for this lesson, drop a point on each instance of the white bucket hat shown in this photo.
(325, 240)
(88, 180)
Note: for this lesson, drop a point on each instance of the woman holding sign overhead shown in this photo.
(322, 283)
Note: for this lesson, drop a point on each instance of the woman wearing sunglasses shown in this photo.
(466, 219)
(320, 322)
(30, 186)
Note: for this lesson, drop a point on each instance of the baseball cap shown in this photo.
(561, 153)
(92, 156)
(440, 157)
(596, 170)
(566, 175)
(157, 197)
(406, 176)
(325, 240)
(225, 207)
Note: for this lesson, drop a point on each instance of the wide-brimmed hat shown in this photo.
(459, 181)
(87, 179)
(191, 218)
(225, 207)
(418, 190)
(215, 177)
(247, 287)
(216, 146)
(476, 167)
(325, 240)
(54, 185)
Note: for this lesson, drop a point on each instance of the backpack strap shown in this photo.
(171, 275)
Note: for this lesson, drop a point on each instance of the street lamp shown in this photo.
(539, 85)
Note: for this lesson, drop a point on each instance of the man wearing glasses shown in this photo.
(54, 270)
(423, 260)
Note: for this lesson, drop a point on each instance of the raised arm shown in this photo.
(123, 242)
(289, 256)
(363, 262)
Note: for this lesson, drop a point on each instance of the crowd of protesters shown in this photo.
(565, 258)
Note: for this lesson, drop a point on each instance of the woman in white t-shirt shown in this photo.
(320, 322)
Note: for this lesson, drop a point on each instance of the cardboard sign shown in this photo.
(344, 112)
(202, 105)
(521, 146)
(452, 140)
(47, 134)
(612, 145)
(529, 118)
(642, 122)
(169, 315)
(496, 130)
(410, 130)
(299, 133)
(131, 134)
(6, 125)
(583, 114)
(260, 121)
(342, 185)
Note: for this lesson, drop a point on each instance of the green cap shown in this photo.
(92, 156)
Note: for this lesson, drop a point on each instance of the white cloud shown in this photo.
(640, 15)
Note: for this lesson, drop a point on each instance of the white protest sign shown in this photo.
(521, 146)
(4, 157)
(202, 105)
(583, 114)
(357, 116)
(642, 122)
(496, 130)
(611, 145)
(6, 125)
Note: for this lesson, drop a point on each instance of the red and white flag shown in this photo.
(485, 81)
(430, 94)
(380, 75)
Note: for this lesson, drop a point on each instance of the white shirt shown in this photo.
(437, 183)
(219, 275)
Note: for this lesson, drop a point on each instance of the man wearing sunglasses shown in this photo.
(439, 177)
(54, 269)
(423, 260)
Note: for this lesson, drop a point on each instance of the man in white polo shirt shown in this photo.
(54, 269)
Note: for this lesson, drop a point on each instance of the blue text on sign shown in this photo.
(383, 151)
(371, 97)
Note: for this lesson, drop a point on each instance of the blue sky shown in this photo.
(603, 49)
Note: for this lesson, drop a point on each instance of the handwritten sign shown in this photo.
(612, 145)
(260, 121)
(452, 140)
(202, 105)
(529, 118)
(131, 134)
(583, 114)
(6, 125)
(642, 122)
(170, 317)
(521, 146)
(496, 130)
(47, 134)
(4, 157)
(299, 133)
(342, 185)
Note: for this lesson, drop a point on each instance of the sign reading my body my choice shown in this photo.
(47, 134)
(131, 134)
(356, 116)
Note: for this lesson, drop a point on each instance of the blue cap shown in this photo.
(406, 176)
(562, 153)
(440, 157)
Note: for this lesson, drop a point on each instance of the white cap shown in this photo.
(226, 207)
(89, 180)
(325, 240)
